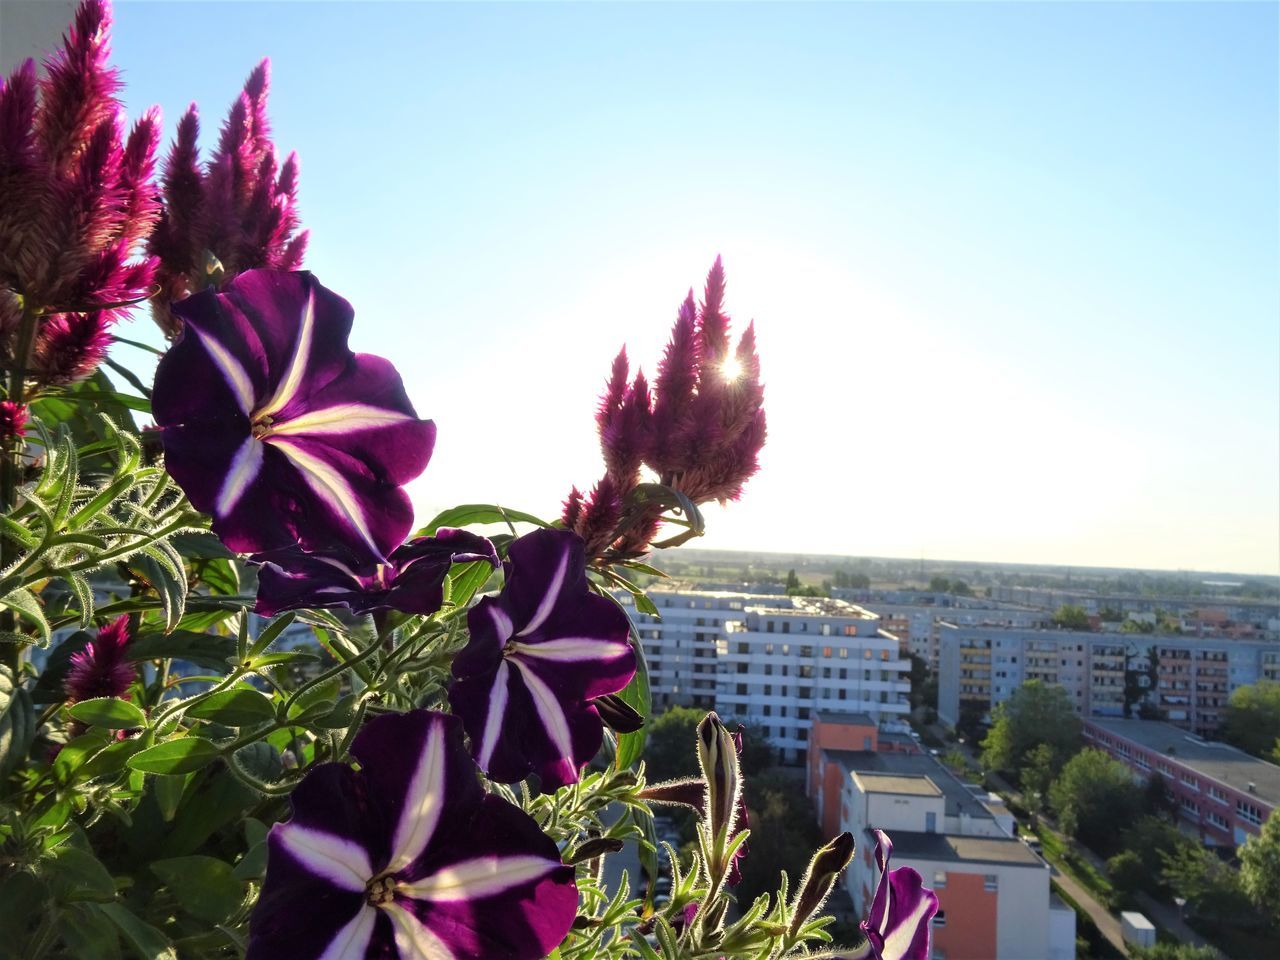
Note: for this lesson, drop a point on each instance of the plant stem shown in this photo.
(11, 450)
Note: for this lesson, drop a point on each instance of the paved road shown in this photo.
(1108, 925)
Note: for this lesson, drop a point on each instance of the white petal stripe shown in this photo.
(341, 418)
(244, 468)
(330, 486)
(572, 649)
(549, 599)
(497, 709)
(413, 940)
(422, 803)
(501, 622)
(481, 877)
(231, 370)
(548, 707)
(343, 863)
(898, 942)
(297, 363)
(352, 940)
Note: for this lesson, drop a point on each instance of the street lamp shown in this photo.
(1181, 902)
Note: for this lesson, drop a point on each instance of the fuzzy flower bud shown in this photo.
(718, 757)
(819, 879)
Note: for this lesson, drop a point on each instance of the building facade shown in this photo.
(994, 899)
(1223, 795)
(1183, 680)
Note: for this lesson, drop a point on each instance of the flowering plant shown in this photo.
(246, 707)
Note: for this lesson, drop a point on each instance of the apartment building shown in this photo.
(1223, 794)
(771, 660)
(994, 899)
(1185, 681)
(779, 665)
(916, 624)
(1224, 611)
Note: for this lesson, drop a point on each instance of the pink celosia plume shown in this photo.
(101, 669)
(699, 429)
(77, 198)
(239, 208)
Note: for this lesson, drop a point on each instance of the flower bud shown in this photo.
(597, 847)
(620, 716)
(819, 878)
(718, 756)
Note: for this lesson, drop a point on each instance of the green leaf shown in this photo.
(147, 942)
(87, 933)
(465, 579)
(76, 874)
(270, 632)
(172, 757)
(283, 656)
(238, 707)
(202, 649)
(80, 586)
(474, 513)
(24, 602)
(168, 794)
(316, 701)
(17, 722)
(637, 695)
(203, 886)
(75, 752)
(157, 568)
(340, 717)
(108, 712)
(111, 759)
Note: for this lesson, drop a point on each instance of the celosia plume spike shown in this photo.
(141, 205)
(677, 377)
(256, 87)
(615, 389)
(291, 257)
(17, 118)
(79, 87)
(71, 345)
(713, 324)
(287, 185)
(572, 512)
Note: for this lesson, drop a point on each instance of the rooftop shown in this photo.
(917, 785)
(1217, 761)
(853, 719)
(958, 797)
(909, 845)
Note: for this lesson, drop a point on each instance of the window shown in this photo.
(826, 673)
(843, 693)
(768, 689)
(866, 654)
(1217, 795)
(844, 673)
(742, 689)
(940, 918)
(768, 669)
(1249, 813)
(786, 648)
(768, 710)
(768, 627)
(768, 648)
(939, 879)
(744, 648)
(786, 626)
(844, 653)
(742, 668)
(991, 883)
(826, 651)
(1217, 820)
(806, 651)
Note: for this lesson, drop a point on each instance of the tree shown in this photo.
(1260, 869)
(1037, 776)
(1036, 713)
(1128, 873)
(918, 676)
(961, 589)
(940, 585)
(671, 749)
(1212, 889)
(1252, 720)
(783, 832)
(1071, 617)
(793, 582)
(1153, 840)
(1093, 795)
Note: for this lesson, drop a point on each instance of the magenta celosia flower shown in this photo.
(539, 653)
(275, 428)
(13, 420)
(409, 858)
(240, 208)
(76, 200)
(100, 669)
(699, 427)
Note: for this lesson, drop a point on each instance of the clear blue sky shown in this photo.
(1014, 267)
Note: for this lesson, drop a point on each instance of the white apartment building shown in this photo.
(771, 660)
(994, 899)
(917, 624)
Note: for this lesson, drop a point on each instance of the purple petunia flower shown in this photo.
(409, 858)
(538, 654)
(272, 425)
(901, 912)
(100, 669)
(411, 581)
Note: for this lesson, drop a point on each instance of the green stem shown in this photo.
(10, 452)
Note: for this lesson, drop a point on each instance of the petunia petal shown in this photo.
(901, 910)
(422, 803)
(343, 863)
(352, 941)
(480, 877)
(413, 940)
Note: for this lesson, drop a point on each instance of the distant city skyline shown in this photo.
(1013, 266)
